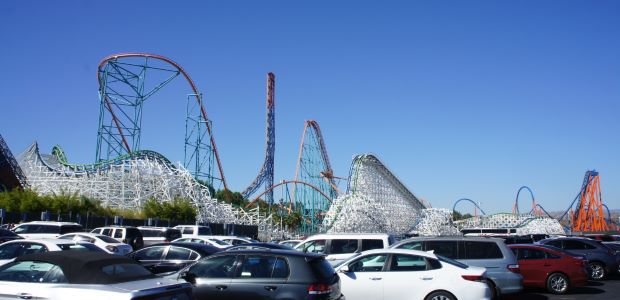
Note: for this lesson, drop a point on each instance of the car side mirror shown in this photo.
(188, 276)
(344, 269)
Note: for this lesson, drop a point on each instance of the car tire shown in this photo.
(557, 283)
(596, 270)
(440, 295)
(494, 290)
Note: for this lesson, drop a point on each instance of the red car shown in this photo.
(550, 268)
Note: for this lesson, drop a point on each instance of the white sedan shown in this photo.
(204, 240)
(12, 249)
(396, 274)
(104, 242)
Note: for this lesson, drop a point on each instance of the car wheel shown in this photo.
(557, 283)
(596, 270)
(440, 295)
(494, 290)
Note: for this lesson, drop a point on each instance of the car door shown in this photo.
(533, 265)
(364, 278)
(259, 277)
(211, 277)
(175, 259)
(410, 277)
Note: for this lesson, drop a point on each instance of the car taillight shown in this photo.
(319, 289)
(111, 248)
(514, 268)
(473, 277)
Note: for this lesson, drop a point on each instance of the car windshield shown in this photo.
(452, 262)
(221, 243)
(79, 247)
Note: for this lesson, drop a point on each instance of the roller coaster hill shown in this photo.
(125, 176)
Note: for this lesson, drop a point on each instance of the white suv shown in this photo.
(46, 229)
(339, 247)
(193, 230)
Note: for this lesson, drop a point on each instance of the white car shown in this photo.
(104, 242)
(12, 249)
(395, 274)
(339, 247)
(204, 240)
(45, 229)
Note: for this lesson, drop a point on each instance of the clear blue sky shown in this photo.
(459, 98)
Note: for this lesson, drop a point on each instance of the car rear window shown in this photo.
(371, 244)
(343, 246)
(482, 250)
(322, 269)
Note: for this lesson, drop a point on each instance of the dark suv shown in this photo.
(601, 259)
(262, 274)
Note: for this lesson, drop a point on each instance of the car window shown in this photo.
(204, 231)
(552, 256)
(316, 246)
(178, 253)
(444, 248)
(236, 241)
(96, 230)
(371, 263)
(172, 234)
(482, 250)
(221, 243)
(193, 241)
(215, 267)
(371, 244)
(107, 239)
(118, 233)
(339, 246)
(149, 232)
(402, 262)
(555, 243)
(188, 230)
(30, 248)
(530, 254)
(80, 247)
(258, 266)
(126, 272)
(9, 251)
(411, 245)
(151, 253)
(70, 228)
(106, 231)
(23, 229)
(32, 271)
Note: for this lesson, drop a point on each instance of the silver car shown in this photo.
(490, 253)
(84, 275)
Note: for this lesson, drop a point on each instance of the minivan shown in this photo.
(339, 247)
(46, 229)
(490, 253)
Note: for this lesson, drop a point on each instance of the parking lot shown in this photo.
(606, 289)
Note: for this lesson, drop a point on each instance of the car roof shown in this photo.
(204, 249)
(265, 245)
(451, 238)
(340, 235)
(48, 241)
(91, 234)
(401, 251)
(81, 267)
(48, 223)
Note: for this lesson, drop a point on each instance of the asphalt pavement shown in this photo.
(604, 289)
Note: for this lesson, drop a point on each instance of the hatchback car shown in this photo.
(46, 229)
(104, 242)
(262, 274)
(127, 234)
(170, 257)
(550, 268)
(602, 260)
(491, 253)
(87, 275)
(400, 274)
(10, 250)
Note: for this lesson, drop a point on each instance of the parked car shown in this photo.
(491, 253)
(339, 247)
(602, 260)
(170, 257)
(545, 267)
(291, 243)
(104, 242)
(87, 275)
(262, 274)
(603, 237)
(524, 239)
(397, 274)
(233, 240)
(155, 235)
(204, 240)
(46, 229)
(12, 249)
(193, 230)
(7, 235)
(264, 246)
(127, 234)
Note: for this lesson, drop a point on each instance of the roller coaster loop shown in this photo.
(469, 200)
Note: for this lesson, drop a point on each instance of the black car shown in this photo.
(170, 257)
(7, 235)
(602, 260)
(262, 274)
(263, 246)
